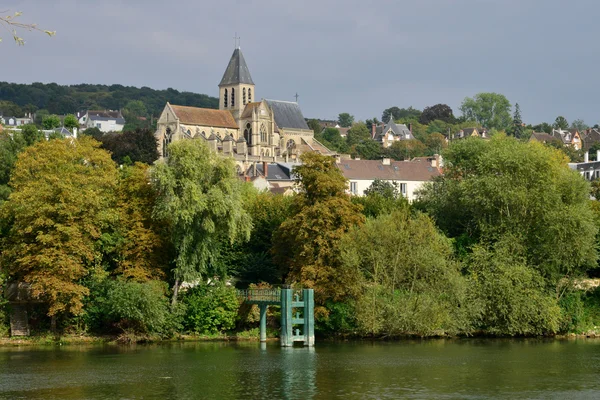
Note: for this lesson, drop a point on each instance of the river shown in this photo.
(428, 369)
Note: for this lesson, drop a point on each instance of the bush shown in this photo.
(339, 319)
(210, 309)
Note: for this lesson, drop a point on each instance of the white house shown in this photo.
(408, 175)
(590, 170)
(106, 121)
(16, 121)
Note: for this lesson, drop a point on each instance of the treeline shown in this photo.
(499, 245)
(19, 99)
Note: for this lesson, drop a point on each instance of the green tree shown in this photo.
(31, 134)
(94, 132)
(345, 120)
(505, 187)
(51, 122)
(333, 139)
(130, 146)
(441, 112)
(307, 243)
(62, 201)
(71, 122)
(11, 144)
(517, 130)
(357, 134)
(436, 142)
(492, 110)
(579, 125)
(369, 150)
(409, 113)
(135, 114)
(200, 197)
(560, 123)
(406, 149)
(315, 125)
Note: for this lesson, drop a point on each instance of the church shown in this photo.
(248, 130)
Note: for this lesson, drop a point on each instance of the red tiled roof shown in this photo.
(204, 117)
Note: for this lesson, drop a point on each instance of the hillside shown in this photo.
(62, 99)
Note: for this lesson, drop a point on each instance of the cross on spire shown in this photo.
(236, 40)
(296, 96)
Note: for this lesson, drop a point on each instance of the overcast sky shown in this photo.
(339, 56)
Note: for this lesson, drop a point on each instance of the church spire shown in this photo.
(237, 71)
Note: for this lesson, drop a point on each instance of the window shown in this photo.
(249, 95)
(263, 133)
(403, 189)
(98, 125)
(248, 133)
(244, 96)
(225, 99)
(353, 189)
(232, 97)
(166, 141)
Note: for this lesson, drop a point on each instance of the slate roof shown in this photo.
(589, 138)
(276, 171)
(237, 71)
(542, 137)
(396, 171)
(398, 129)
(287, 114)
(95, 114)
(63, 131)
(204, 117)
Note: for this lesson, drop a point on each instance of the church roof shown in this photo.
(287, 114)
(237, 71)
(204, 117)
(248, 109)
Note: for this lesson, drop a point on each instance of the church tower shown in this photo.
(236, 88)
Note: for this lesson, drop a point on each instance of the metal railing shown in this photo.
(260, 295)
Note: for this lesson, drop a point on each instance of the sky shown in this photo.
(353, 56)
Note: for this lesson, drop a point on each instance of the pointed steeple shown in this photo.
(237, 71)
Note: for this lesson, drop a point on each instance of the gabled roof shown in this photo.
(396, 171)
(542, 137)
(109, 114)
(248, 109)
(590, 137)
(287, 114)
(398, 130)
(204, 117)
(237, 71)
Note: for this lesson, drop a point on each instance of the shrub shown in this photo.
(210, 309)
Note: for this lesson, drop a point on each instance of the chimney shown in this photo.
(586, 157)
(386, 161)
(266, 169)
(247, 178)
(434, 161)
(75, 133)
(373, 130)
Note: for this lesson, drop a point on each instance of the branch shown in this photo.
(9, 23)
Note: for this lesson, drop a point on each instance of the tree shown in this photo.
(131, 146)
(51, 122)
(62, 201)
(543, 127)
(435, 143)
(307, 243)
(491, 110)
(406, 149)
(10, 147)
(70, 122)
(560, 123)
(10, 23)
(94, 132)
(506, 187)
(315, 125)
(357, 134)
(517, 122)
(135, 114)
(199, 196)
(331, 138)
(368, 150)
(345, 120)
(31, 134)
(409, 113)
(371, 122)
(579, 125)
(442, 112)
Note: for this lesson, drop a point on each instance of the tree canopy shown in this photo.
(441, 112)
(345, 120)
(491, 110)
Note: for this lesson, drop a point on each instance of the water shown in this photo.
(432, 369)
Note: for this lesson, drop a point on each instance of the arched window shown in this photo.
(244, 96)
(166, 142)
(249, 95)
(290, 145)
(232, 97)
(225, 99)
(189, 132)
(248, 133)
(263, 134)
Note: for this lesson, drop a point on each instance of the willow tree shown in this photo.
(61, 202)
(11, 23)
(200, 197)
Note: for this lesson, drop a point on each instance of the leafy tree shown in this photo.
(371, 122)
(381, 198)
(71, 122)
(543, 127)
(560, 123)
(210, 309)
(62, 200)
(492, 110)
(39, 116)
(406, 149)
(441, 112)
(10, 147)
(51, 122)
(579, 125)
(315, 125)
(307, 243)
(400, 113)
(368, 150)
(199, 196)
(135, 114)
(517, 122)
(11, 23)
(93, 132)
(435, 143)
(130, 146)
(345, 120)
(31, 134)
(505, 187)
(386, 189)
(10, 109)
(333, 138)
(357, 134)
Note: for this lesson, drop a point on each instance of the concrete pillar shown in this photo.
(287, 336)
(263, 322)
(308, 295)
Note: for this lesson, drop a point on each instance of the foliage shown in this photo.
(517, 129)
(307, 243)
(560, 123)
(10, 23)
(199, 196)
(51, 122)
(70, 122)
(407, 282)
(136, 115)
(406, 149)
(358, 134)
(441, 112)
(331, 137)
(131, 146)
(368, 150)
(11, 144)
(492, 110)
(579, 125)
(94, 132)
(511, 294)
(400, 113)
(345, 120)
(31, 134)
(435, 142)
(503, 186)
(315, 125)
(62, 199)
(210, 309)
